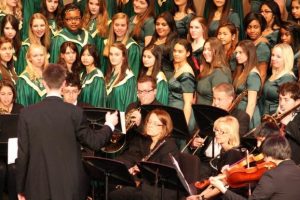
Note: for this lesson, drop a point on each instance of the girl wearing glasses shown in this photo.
(157, 128)
(39, 33)
(120, 81)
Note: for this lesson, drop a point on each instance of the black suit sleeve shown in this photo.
(94, 139)
(23, 154)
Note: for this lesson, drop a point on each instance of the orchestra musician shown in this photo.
(227, 139)
(289, 100)
(281, 182)
(49, 162)
(157, 128)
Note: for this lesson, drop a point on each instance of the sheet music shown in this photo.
(123, 123)
(180, 175)
(12, 151)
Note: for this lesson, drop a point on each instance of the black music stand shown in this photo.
(112, 171)
(205, 117)
(8, 129)
(164, 176)
(180, 128)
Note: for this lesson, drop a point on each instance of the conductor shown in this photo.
(49, 137)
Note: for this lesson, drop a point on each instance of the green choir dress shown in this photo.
(21, 61)
(93, 90)
(255, 5)
(233, 18)
(81, 4)
(80, 39)
(53, 27)
(263, 52)
(162, 90)
(184, 83)
(29, 91)
(270, 97)
(182, 25)
(273, 38)
(163, 6)
(120, 95)
(147, 29)
(29, 8)
(133, 51)
(253, 83)
(206, 84)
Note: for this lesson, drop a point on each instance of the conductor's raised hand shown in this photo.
(112, 118)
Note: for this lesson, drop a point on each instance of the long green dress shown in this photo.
(146, 30)
(162, 90)
(53, 27)
(182, 25)
(29, 91)
(21, 61)
(184, 83)
(206, 84)
(120, 95)
(270, 97)
(133, 51)
(93, 90)
(81, 38)
(253, 83)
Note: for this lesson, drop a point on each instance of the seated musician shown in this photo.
(158, 127)
(289, 100)
(146, 93)
(8, 96)
(281, 182)
(72, 90)
(227, 138)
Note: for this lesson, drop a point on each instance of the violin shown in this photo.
(239, 175)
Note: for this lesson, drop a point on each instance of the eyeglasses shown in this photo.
(70, 91)
(150, 123)
(144, 91)
(265, 11)
(219, 132)
(73, 19)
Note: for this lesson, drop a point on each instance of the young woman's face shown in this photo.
(51, 5)
(162, 28)
(6, 52)
(38, 27)
(241, 56)
(115, 56)
(37, 57)
(195, 29)
(180, 54)
(120, 27)
(225, 36)
(6, 96)
(72, 20)
(295, 9)
(87, 59)
(254, 30)
(9, 31)
(286, 36)
(207, 52)
(267, 13)
(69, 56)
(94, 7)
(140, 6)
(148, 59)
(277, 61)
(154, 126)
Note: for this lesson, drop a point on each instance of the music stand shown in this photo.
(8, 129)
(180, 128)
(164, 176)
(112, 170)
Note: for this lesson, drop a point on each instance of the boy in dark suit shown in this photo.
(49, 137)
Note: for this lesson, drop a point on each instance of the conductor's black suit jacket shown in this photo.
(49, 163)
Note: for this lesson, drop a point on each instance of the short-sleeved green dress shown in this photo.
(263, 52)
(21, 62)
(162, 93)
(253, 83)
(182, 25)
(233, 18)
